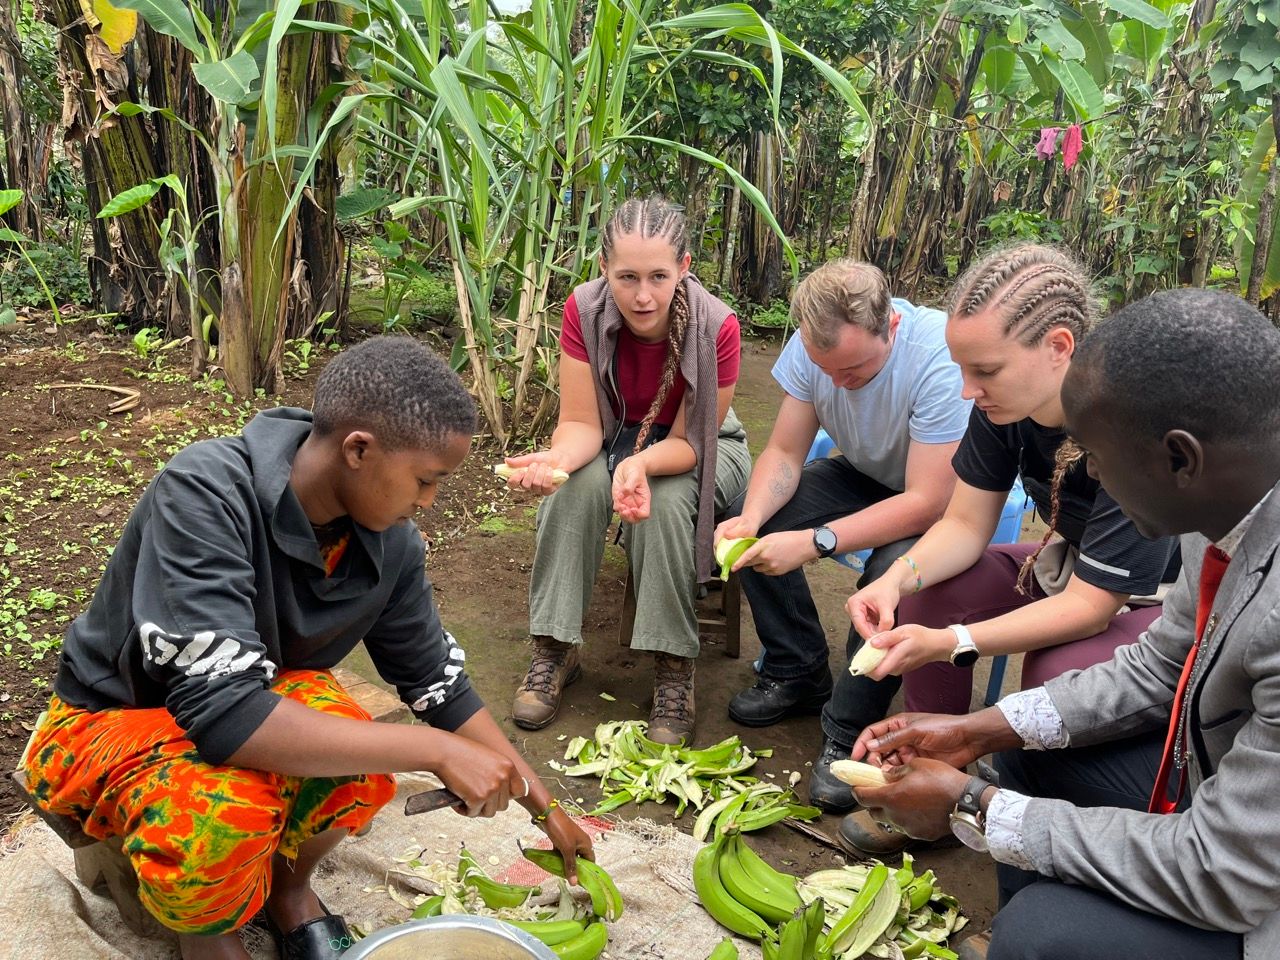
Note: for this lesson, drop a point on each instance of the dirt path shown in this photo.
(482, 585)
(70, 474)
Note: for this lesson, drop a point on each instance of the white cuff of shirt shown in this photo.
(1035, 719)
(1005, 842)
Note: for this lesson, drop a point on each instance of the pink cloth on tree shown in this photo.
(1072, 144)
(1048, 144)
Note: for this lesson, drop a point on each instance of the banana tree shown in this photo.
(230, 111)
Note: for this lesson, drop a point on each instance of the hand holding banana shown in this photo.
(917, 798)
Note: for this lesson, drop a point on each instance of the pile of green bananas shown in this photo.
(633, 769)
(569, 935)
(845, 914)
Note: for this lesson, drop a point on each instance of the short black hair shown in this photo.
(1203, 361)
(397, 389)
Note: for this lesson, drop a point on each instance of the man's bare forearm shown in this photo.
(773, 483)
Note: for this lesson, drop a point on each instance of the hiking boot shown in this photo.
(826, 791)
(555, 666)
(672, 718)
(771, 700)
(862, 834)
(975, 947)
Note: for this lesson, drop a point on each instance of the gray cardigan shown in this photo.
(601, 320)
(1217, 865)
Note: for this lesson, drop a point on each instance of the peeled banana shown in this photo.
(858, 774)
(506, 472)
(866, 659)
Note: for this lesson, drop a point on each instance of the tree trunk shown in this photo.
(125, 274)
(21, 166)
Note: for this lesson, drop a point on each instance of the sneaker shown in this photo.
(769, 701)
(826, 791)
(555, 665)
(861, 834)
(672, 719)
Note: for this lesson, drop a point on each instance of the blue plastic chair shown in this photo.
(1007, 531)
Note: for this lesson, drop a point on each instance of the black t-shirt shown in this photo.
(1113, 554)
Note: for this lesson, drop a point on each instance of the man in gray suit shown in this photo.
(1151, 828)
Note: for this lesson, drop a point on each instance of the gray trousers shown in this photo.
(569, 545)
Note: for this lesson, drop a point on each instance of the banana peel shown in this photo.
(728, 551)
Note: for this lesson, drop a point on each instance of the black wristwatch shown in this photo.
(968, 822)
(824, 541)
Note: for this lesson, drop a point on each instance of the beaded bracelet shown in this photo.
(545, 815)
(914, 569)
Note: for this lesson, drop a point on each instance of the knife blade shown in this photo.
(430, 800)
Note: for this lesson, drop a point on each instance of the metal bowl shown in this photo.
(450, 938)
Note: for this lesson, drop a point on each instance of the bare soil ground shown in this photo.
(70, 473)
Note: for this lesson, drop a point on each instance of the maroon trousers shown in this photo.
(987, 590)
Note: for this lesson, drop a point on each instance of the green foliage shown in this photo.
(60, 266)
(1012, 223)
(775, 317)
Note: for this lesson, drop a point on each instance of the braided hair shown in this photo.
(1033, 289)
(656, 217)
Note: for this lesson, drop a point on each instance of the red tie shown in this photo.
(1215, 565)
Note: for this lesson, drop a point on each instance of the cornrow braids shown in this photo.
(671, 363)
(649, 217)
(1068, 454)
(1033, 288)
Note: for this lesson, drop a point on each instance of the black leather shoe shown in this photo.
(826, 791)
(772, 700)
(324, 938)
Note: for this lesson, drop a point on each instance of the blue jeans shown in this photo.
(1044, 919)
(786, 619)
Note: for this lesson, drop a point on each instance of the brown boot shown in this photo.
(975, 948)
(861, 834)
(555, 666)
(671, 720)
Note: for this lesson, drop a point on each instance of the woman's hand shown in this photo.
(483, 779)
(631, 496)
(910, 647)
(779, 553)
(871, 608)
(570, 841)
(535, 471)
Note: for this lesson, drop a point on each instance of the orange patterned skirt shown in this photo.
(200, 837)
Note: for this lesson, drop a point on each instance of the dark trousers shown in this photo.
(1044, 919)
(795, 645)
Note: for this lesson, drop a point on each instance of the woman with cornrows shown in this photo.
(648, 364)
(1093, 582)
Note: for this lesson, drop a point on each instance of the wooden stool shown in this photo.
(729, 621)
(99, 863)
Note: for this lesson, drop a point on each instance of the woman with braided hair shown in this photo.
(648, 364)
(1092, 583)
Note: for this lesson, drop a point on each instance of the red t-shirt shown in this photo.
(640, 365)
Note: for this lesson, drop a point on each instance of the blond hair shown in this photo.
(1032, 289)
(840, 293)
